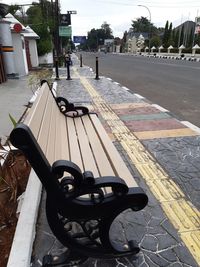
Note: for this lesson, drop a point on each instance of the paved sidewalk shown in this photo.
(163, 156)
(14, 95)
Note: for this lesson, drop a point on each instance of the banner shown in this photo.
(79, 39)
(65, 31)
(65, 19)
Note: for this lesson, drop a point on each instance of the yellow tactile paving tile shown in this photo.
(152, 171)
(181, 212)
(193, 238)
(138, 156)
(184, 216)
(165, 133)
(165, 190)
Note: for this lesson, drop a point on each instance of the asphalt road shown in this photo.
(172, 84)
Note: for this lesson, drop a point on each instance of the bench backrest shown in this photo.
(81, 140)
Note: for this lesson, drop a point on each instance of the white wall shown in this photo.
(33, 53)
(20, 54)
(46, 59)
(117, 48)
(6, 40)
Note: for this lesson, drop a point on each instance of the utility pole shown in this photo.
(57, 28)
(149, 25)
(56, 38)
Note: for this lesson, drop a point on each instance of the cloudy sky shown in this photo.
(120, 13)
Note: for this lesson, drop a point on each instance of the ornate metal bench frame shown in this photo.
(65, 208)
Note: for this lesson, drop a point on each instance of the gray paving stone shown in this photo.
(113, 93)
(180, 157)
(73, 91)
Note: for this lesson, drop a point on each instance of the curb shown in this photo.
(21, 250)
(194, 59)
(177, 57)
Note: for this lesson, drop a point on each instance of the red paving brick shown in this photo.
(154, 125)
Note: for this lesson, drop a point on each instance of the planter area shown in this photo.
(14, 173)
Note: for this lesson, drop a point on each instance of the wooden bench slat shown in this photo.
(118, 165)
(52, 135)
(75, 155)
(104, 166)
(44, 126)
(87, 155)
(63, 153)
(34, 117)
(58, 140)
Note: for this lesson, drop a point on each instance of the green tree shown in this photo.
(170, 36)
(13, 9)
(175, 35)
(124, 39)
(3, 10)
(141, 24)
(40, 19)
(155, 41)
(182, 35)
(107, 30)
(96, 37)
(190, 39)
(166, 34)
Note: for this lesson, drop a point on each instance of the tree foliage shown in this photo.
(40, 19)
(155, 41)
(96, 37)
(13, 9)
(3, 10)
(142, 24)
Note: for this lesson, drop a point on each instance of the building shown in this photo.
(21, 54)
(132, 40)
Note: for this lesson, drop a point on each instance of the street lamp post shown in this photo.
(150, 24)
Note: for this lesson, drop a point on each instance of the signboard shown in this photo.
(197, 26)
(108, 41)
(79, 39)
(65, 19)
(65, 31)
(17, 27)
(72, 12)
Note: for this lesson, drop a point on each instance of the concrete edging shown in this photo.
(21, 250)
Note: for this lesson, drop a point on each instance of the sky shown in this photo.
(120, 13)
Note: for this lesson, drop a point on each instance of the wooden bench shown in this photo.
(86, 181)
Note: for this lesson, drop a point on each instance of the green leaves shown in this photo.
(13, 121)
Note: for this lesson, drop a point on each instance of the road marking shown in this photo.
(125, 88)
(160, 108)
(139, 96)
(191, 126)
(181, 212)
